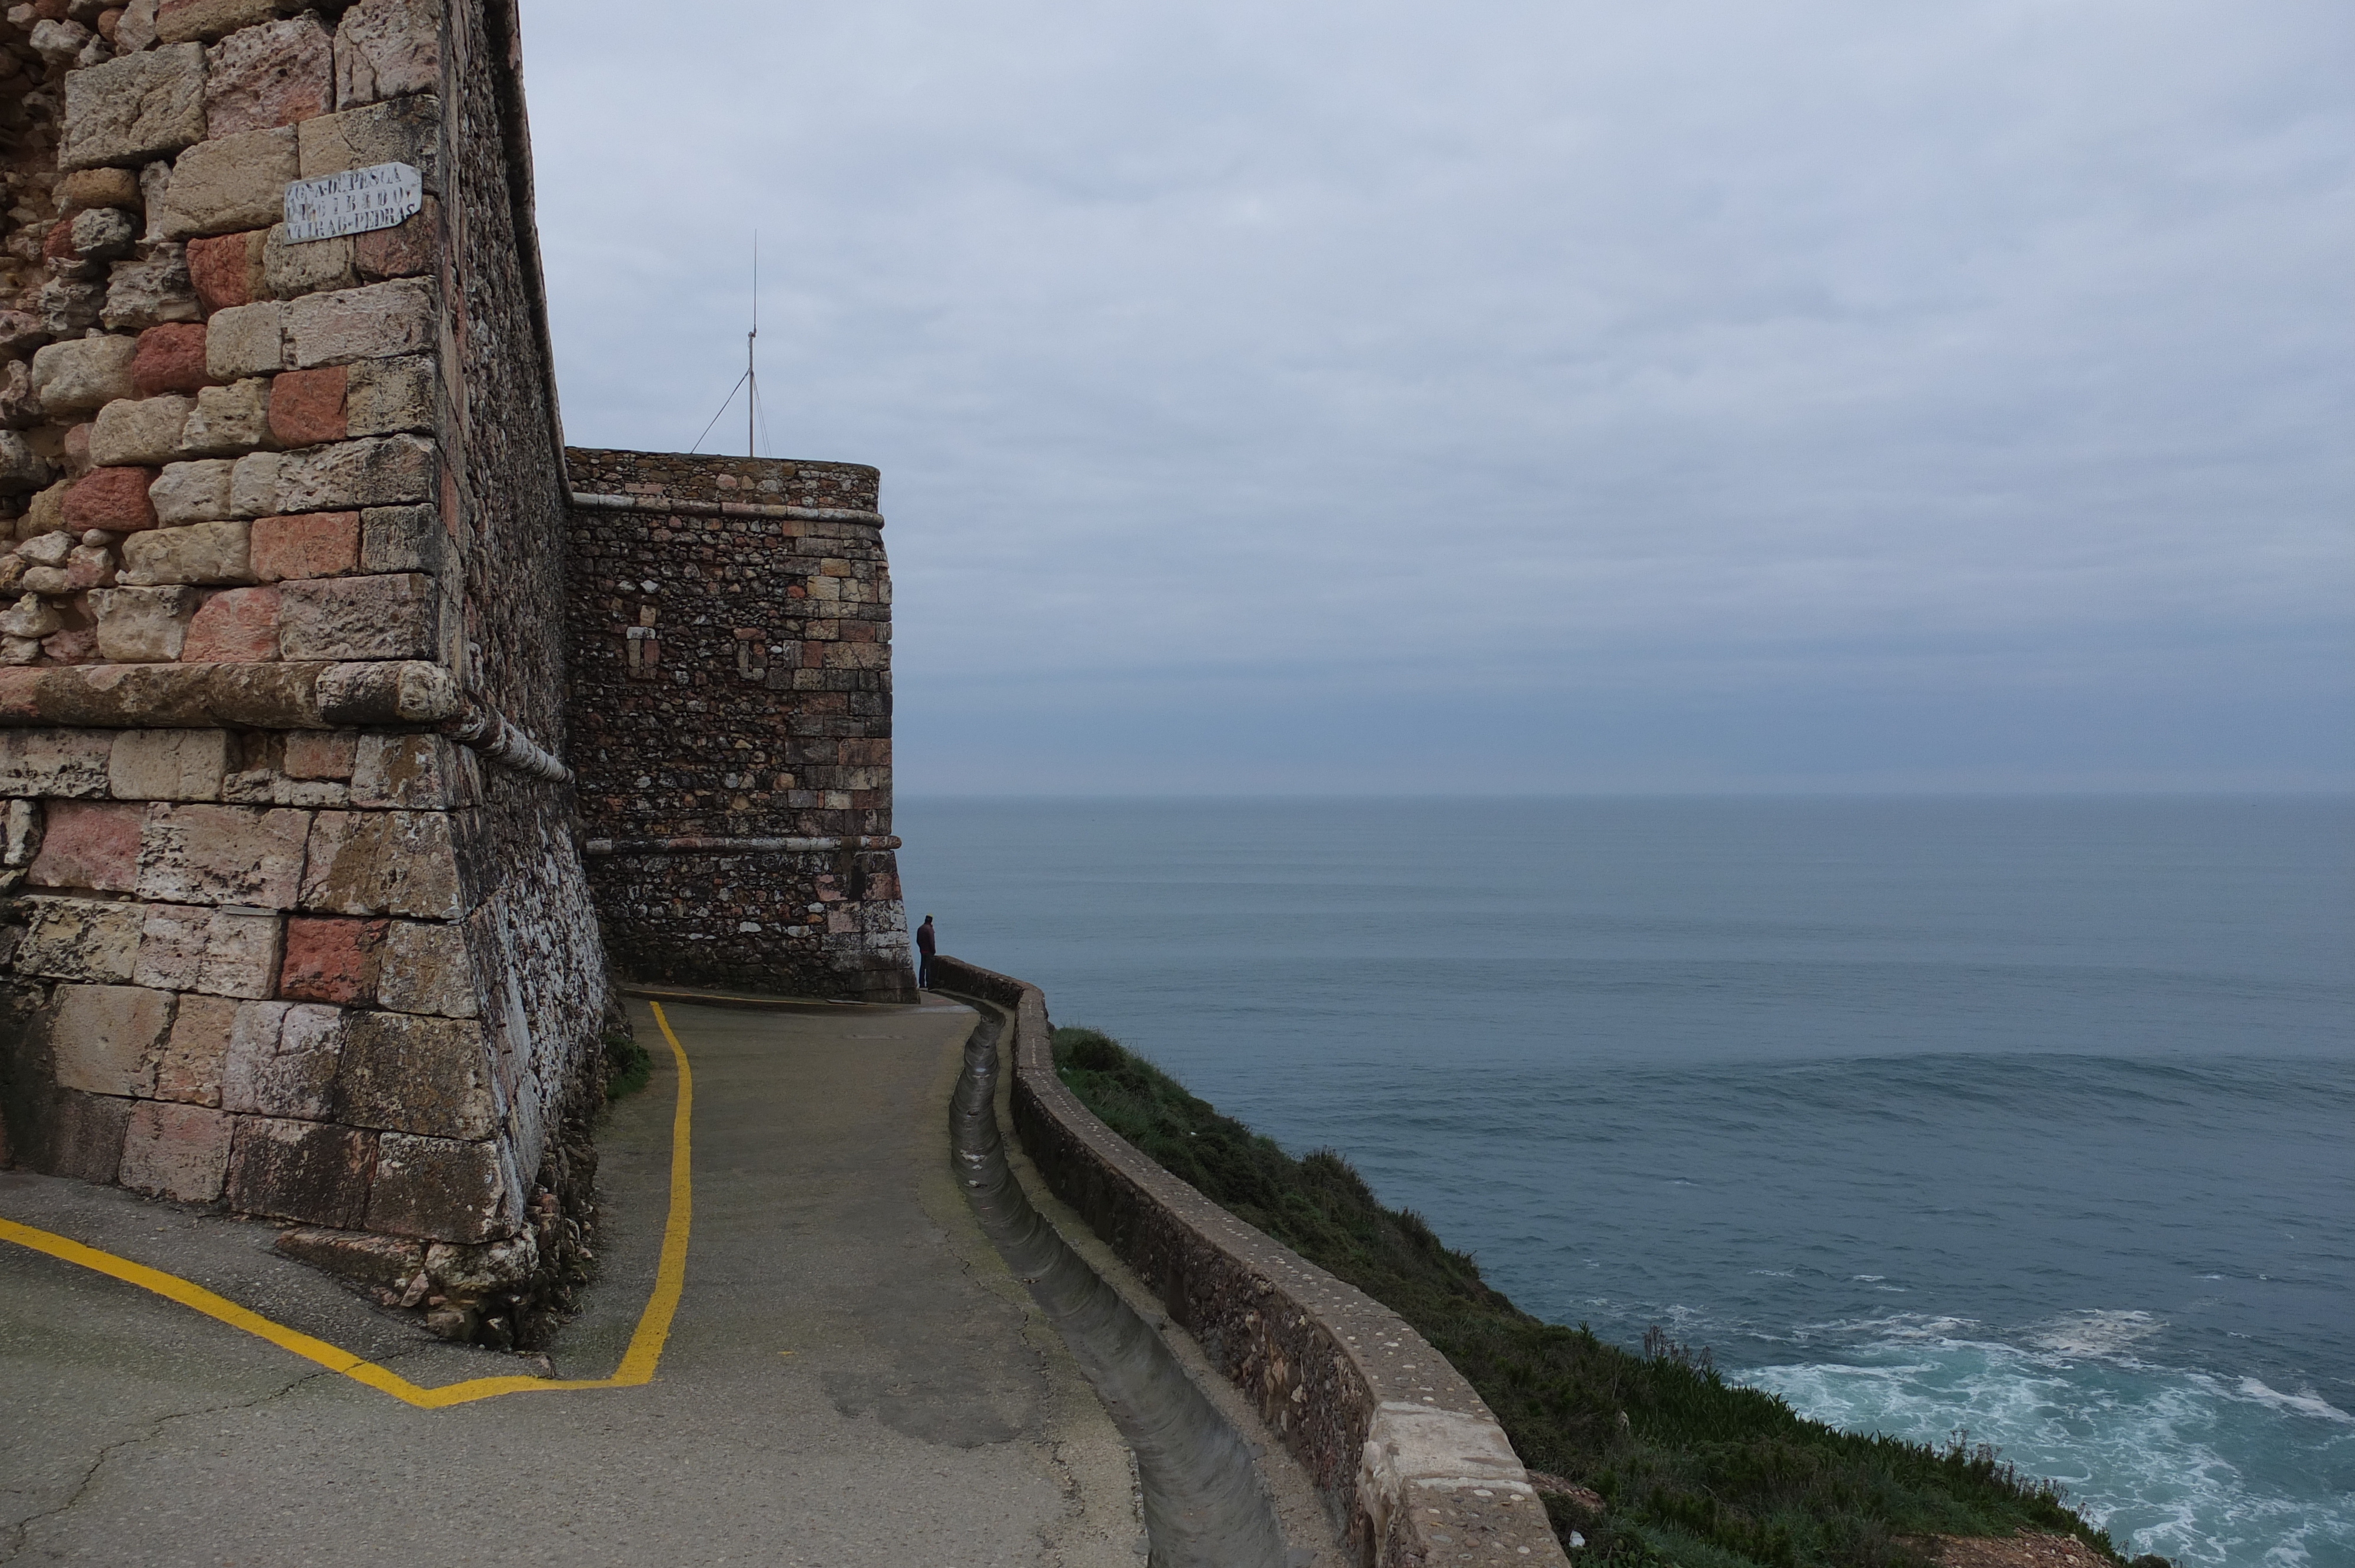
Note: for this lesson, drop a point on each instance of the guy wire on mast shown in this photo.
(751, 380)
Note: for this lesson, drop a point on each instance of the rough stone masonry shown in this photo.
(294, 914)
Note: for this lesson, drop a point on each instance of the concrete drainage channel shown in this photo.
(1205, 1506)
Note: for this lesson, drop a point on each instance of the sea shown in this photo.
(2020, 1122)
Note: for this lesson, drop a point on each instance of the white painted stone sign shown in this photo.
(353, 202)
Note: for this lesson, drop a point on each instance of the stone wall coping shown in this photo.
(692, 845)
(1400, 1443)
(286, 694)
(588, 501)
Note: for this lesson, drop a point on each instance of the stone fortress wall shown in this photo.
(294, 912)
(285, 940)
(732, 721)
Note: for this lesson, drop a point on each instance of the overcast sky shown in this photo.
(1510, 397)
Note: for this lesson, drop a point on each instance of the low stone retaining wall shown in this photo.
(1398, 1442)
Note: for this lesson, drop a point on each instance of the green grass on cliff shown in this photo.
(1694, 1471)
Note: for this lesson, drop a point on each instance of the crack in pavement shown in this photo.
(20, 1530)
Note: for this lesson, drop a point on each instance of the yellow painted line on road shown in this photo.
(638, 1362)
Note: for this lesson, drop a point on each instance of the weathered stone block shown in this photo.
(178, 21)
(442, 1189)
(142, 106)
(139, 431)
(196, 553)
(314, 545)
(409, 249)
(171, 945)
(403, 539)
(426, 970)
(230, 269)
(240, 627)
(301, 1170)
(315, 754)
(234, 183)
(402, 771)
(87, 188)
(115, 499)
(86, 843)
(282, 1060)
(389, 396)
(107, 1039)
(378, 321)
(150, 290)
(176, 1151)
(306, 406)
(143, 625)
(222, 855)
(354, 1255)
(168, 765)
(55, 762)
(192, 492)
(68, 306)
(382, 471)
(385, 49)
(276, 73)
(229, 421)
(416, 1075)
(22, 469)
(402, 131)
(240, 953)
(253, 486)
(197, 1050)
(246, 340)
(45, 513)
(91, 939)
(170, 358)
(330, 959)
(389, 617)
(84, 374)
(382, 862)
(295, 268)
(82, 1138)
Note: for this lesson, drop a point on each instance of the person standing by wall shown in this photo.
(924, 946)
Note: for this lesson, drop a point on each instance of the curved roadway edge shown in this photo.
(1393, 1436)
(1204, 1504)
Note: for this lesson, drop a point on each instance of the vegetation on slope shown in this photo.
(1692, 1470)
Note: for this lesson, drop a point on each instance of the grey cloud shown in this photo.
(1288, 362)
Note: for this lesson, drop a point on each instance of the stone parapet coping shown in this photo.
(1394, 1437)
(671, 506)
(736, 846)
(275, 695)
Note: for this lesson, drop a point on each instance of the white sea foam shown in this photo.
(2210, 1472)
(2095, 1332)
(2300, 1403)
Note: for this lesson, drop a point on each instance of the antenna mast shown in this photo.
(751, 376)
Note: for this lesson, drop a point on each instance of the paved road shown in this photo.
(852, 1378)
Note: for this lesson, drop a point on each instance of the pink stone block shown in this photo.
(330, 959)
(89, 844)
(171, 359)
(176, 1151)
(226, 269)
(115, 499)
(314, 545)
(306, 406)
(240, 627)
